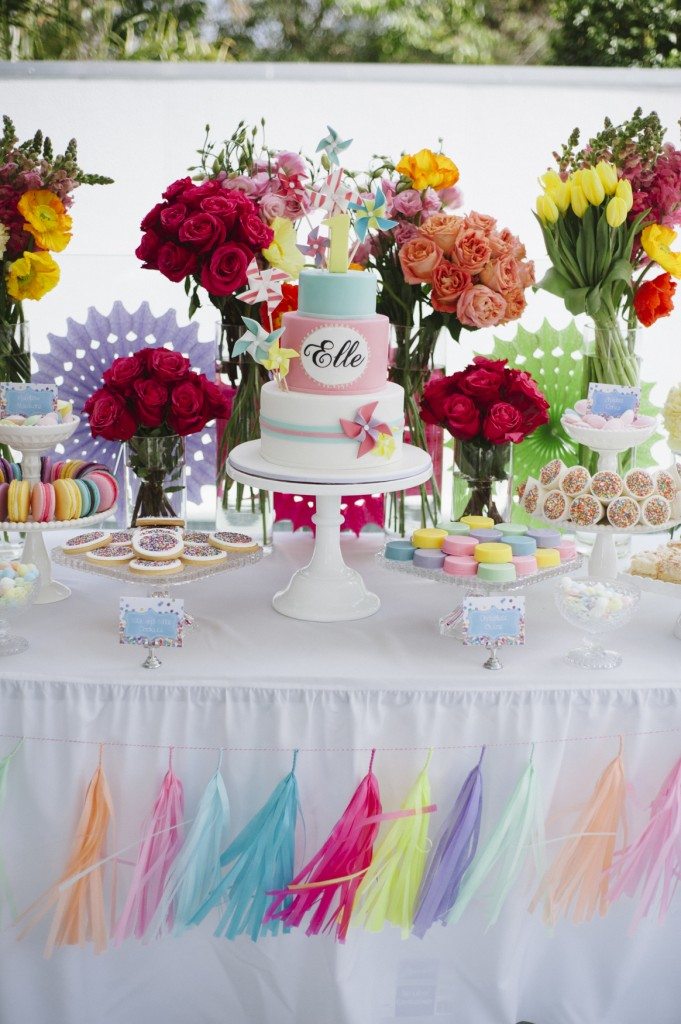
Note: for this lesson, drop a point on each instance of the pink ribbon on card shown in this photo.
(365, 428)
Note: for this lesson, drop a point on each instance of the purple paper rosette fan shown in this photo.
(75, 363)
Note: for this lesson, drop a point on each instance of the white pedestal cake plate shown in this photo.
(327, 590)
(603, 560)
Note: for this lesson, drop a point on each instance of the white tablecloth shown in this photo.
(259, 685)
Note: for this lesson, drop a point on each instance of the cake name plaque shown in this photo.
(334, 356)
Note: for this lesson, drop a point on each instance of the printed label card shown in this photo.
(494, 621)
(611, 400)
(151, 621)
(27, 399)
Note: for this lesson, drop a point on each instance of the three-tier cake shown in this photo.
(338, 410)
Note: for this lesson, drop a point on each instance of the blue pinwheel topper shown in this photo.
(333, 145)
(370, 213)
(256, 341)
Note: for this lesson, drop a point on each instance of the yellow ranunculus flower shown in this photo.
(427, 169)
(616, 212)
(656, 240)
(46, 219)
(592, 186)
(623, 191)
(283, 253)
(32, 276)
(578, 200)
(547, 211)
(608, 175)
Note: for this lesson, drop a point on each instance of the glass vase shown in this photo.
(482, 480)
(240, 508)
(155, 477)
(15, 351)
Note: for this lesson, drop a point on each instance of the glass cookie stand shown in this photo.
(163, 584)
(609, 445)
(32, 442)
(452, 624)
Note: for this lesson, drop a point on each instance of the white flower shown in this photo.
(4, 239)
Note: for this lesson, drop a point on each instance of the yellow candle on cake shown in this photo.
(339, 237)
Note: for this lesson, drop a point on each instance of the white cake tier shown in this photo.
(305, 430)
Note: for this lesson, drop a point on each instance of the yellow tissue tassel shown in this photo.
(577, 881)
(390, 887)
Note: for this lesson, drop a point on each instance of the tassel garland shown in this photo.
(389, 889)
(195, 872)
(161, 840)
(579, 875)
(454, 852)
(260, 861)
(326, 887)
(520, 824)
(652, 865)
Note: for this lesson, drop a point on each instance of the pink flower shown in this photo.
(241, 183)
(479, 306)
(515, 304)
(404, 232)
(451, 198)
(503, 243)
(419, 259)
(526, 272)
(501, 275)
(443, 229)
(292, 164)
(408, 203)
(480, 222)
(362, 253)
(387, 188)
(272, 205)
(431, 202)
(448, 284)
(471, 250)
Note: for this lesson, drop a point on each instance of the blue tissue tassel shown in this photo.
(260, 860)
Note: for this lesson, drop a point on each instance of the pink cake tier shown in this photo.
(341, 341)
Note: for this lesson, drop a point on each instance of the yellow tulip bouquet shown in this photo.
(607, 216)
(35, 195)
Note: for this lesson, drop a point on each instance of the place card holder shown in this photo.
(492, 622)
(151, 622)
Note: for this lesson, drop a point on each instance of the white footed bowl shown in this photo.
(37, 438)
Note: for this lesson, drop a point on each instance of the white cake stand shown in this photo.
(603, 560)
(327, 590)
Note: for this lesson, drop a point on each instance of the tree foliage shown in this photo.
(618, 33)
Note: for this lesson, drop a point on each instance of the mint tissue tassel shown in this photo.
(260, 861)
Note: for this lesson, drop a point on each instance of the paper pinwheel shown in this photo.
(371, 214)
(291, 187)
(316, 247)
(257, 341)
(365, 428)
(332, 145)
(333, 194)
(264, 285)
(278, 361)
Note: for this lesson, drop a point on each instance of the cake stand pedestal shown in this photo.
(327, 590)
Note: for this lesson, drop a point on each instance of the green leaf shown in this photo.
(593, 301)
(621, 270)
(555, 283)
(575, 300)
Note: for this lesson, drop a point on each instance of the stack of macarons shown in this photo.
(64, 500)
(9, 471)
(477, 546)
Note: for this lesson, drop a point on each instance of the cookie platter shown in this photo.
(189, 574)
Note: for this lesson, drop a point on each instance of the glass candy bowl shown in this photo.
(19, 586)
(595, 606)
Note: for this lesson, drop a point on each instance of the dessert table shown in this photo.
(259, 685)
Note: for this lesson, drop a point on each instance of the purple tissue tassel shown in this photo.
(454, 852)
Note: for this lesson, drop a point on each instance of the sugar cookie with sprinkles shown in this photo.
(112, 554)
(232, 542)
(88, 541)
(202, 554)
(121, 537)
(166, 522)
(195, 536)
(155, 567)
(157, 544)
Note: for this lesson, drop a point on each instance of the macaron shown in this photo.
(525, 565)
(67, 499)
(521, 545)
(85, 498)
(453, 529)
(493, 553)
(397, 550)
(547, 558)
(511, 529)
(18, 501)
(459, 546)
(93, 491)
(428, 537)
(428, 558)
(107, 487)
(460, 565)
(43, 503)
(478, 522)
(4, 489)
(486, 535)
(497, 572)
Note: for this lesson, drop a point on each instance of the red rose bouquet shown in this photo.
(152, 400)
(486, 408)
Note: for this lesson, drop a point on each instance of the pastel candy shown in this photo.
(428, 537)
(454, 528)
(399, 550)
(478, 522)
(428, 558)
(525, 565)
(493, 552)
(486, 535)
(567, 549)
(521, 545)
(592, 419)
(547, 558)
(545, 538)
(460, 565)
(459, 546)
(511, 529)
(495, 572)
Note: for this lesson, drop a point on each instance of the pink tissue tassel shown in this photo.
(653, 863)
(161, 840)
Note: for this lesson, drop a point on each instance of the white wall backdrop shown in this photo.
(142, 124)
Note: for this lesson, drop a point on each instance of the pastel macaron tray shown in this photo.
(479, 551)
(68, 490)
